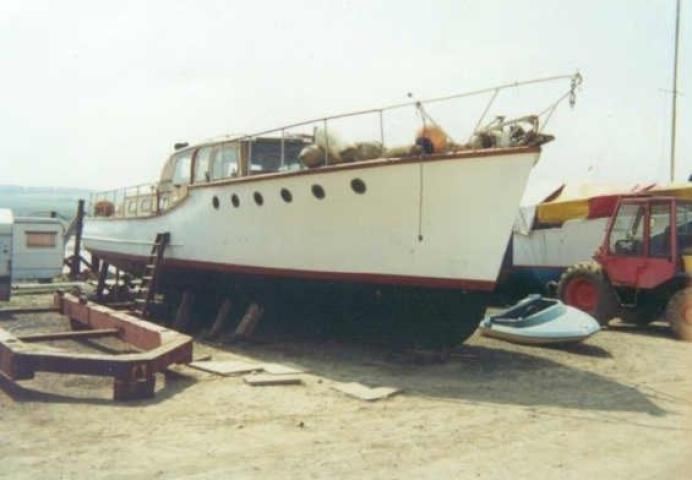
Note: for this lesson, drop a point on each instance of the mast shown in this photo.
(675, 92)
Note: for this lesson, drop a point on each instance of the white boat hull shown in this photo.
(553, 323)
(440, 222)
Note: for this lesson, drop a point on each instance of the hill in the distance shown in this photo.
(28, 201)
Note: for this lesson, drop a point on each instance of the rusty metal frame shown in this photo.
(133, 373)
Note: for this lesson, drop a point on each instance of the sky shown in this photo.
(95, 93)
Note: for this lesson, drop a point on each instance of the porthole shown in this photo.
(286, 195)
(215, 202)
(258, 198)
(318, 191)
(235, 200)
(358, 185)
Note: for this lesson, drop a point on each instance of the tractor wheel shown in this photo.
(586, 287)
(679, 314)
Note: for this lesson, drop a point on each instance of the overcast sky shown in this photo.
(95, 93)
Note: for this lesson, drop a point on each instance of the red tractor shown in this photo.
(643, 268)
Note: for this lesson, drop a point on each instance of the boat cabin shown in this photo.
(203, 163)
(216, 161)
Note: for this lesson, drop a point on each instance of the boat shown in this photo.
(537, 320)
(423, 227)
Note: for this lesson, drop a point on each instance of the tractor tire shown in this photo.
(586, 287)
(679, 314)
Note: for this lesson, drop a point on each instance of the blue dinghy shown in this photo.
(536, 320)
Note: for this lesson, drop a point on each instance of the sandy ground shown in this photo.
(617, 406)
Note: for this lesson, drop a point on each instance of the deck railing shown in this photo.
(575, 81)
(148, 199)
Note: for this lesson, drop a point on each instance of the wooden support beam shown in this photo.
(72, 335)
(125, 305)
(183, 317)
(249, 322)
(222, 318)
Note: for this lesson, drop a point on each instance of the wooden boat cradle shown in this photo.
(133, 373)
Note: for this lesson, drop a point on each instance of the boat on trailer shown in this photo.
(421, 230)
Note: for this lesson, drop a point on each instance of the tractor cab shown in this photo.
(642, 270)
(647, 242)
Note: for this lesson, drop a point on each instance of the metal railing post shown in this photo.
(326, 143)
(382, 128)
(283, 148)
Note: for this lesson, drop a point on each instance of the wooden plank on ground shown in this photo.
(278, 369)
(260, 380)
(363, 392)
(226, 367)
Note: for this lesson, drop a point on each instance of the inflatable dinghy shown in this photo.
(536, 321)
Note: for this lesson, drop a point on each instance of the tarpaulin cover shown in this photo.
(584, 201)
(682, 190)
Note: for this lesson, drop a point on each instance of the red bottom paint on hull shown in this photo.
(396, 311)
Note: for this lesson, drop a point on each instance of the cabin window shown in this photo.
(358, 185)
(181, 168)
(318, 191)
(225, 162)
(627, 235)
(265, 156)
(203, 162)
(684, 227)
(659, 230)
(41, 239)
(145, 205)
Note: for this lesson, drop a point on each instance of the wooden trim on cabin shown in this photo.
(373, 278)
(380, 162)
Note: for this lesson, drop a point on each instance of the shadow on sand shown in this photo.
(473, 374)
(656, 329)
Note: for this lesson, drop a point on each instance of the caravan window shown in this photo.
(40, 239)
(225, 162)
